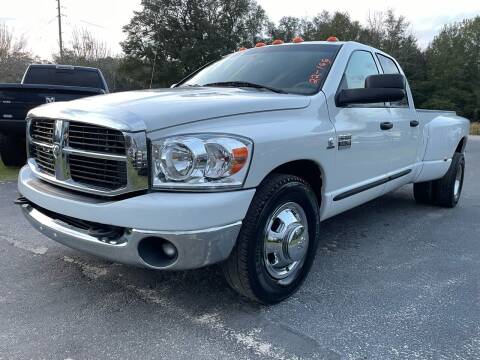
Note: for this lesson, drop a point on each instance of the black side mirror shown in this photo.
(385, 81)
(378, 88)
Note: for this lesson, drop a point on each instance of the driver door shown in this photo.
(362, 146)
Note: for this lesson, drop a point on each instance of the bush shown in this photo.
(475, 128)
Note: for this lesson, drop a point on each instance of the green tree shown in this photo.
(288, 27)
(392, 34)
(318, 28)
(453, 69)
(173, 38)
(338, 24)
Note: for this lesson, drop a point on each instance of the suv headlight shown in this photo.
(200, 162)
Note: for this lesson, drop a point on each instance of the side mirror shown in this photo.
(378, 88)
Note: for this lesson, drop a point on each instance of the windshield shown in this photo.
(296, 68)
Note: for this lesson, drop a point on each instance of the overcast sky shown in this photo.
(36, 19)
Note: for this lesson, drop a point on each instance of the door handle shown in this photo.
(386, 125)
(414, 123)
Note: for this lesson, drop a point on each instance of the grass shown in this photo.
(475, 128)
(7, 173)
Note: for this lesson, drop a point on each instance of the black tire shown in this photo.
(423, 192)
(444, 188)
(441, 192)
(13, 151)
(246, 270)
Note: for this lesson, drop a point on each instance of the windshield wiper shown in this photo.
(246, 84)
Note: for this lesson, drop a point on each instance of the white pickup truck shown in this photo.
(238, 163)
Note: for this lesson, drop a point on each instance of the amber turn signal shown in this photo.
(240, 157)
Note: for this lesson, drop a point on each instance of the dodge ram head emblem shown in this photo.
(56, 151)
(49, 99)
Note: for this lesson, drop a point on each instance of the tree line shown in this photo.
(166, 40)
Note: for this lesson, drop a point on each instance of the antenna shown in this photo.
(60, 29)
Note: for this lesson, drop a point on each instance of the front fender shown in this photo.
(279, 137)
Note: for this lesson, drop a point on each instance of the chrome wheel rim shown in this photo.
(458, 183)
(285, 242)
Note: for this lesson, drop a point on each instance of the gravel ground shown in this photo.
(395, 280)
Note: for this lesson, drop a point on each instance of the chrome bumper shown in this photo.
(194, 248)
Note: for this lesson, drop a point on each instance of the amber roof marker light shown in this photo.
(242, 49)
(260, 44)
(298, 40)
(332, 39)
(277, 42)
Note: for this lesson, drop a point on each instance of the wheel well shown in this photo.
(461, 145)
(308, 170)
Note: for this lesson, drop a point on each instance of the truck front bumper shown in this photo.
(143, 224)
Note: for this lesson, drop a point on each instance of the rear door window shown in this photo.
(389, 67)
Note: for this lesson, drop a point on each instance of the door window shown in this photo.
(389, 67)
(360, 65)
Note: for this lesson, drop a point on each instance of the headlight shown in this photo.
(204, 161)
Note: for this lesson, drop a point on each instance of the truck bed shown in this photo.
(425, 115)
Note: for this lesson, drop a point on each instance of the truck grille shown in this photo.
(96, 138)
(108, 174)
(92, 155)
(44, 158)
(103, 173)
(42, 132)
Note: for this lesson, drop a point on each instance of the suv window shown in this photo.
(360, 65)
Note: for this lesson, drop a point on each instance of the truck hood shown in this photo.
(152, 110)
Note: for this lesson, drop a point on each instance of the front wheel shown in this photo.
(278, 240)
